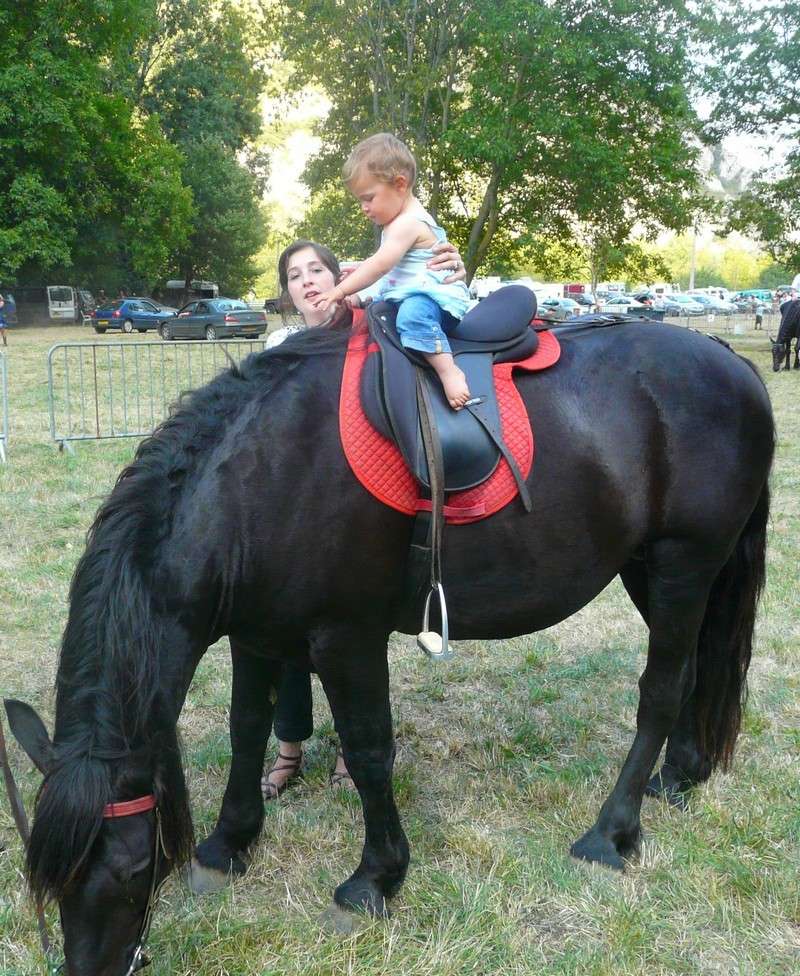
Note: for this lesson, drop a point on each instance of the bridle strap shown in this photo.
(129, 807)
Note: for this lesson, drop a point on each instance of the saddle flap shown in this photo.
(389, 398)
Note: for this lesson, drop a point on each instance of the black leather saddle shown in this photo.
(496, 331)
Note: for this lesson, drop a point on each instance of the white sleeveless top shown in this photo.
(410, 276)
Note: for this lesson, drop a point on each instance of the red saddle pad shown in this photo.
(379, 465)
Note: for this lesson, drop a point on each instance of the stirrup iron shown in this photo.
(435, 645)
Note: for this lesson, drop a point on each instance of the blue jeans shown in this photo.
(421, 324)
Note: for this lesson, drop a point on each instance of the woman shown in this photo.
(305, 271)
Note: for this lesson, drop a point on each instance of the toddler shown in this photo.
(380, 173)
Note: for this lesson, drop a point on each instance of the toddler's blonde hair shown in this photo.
(383, 156)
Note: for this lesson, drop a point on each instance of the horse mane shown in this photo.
(109, 704)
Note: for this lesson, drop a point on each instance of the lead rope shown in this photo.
(21, 821)
(436, 646)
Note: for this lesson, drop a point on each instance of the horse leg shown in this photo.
(634, 578)
(242, 811)
(685, 764)
(679, 581)
(796, 352)
(354, 670)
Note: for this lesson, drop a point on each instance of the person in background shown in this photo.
(305, 271)
(3, 320)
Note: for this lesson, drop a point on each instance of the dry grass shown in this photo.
(504, 757)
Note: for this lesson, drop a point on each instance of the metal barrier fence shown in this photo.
(737, 324)
(125, 389)
(3, 406)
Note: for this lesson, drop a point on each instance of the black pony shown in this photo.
(789, 329)
(240, 516)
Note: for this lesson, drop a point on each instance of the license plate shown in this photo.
(102, 321)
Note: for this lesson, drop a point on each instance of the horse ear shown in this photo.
(29, 730)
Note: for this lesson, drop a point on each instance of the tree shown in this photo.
(228, 227)
(206, 95)
(526, 116)
(66, 136)
(756, 87)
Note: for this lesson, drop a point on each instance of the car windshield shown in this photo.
(60, 294)
(113, 305)
(231, 305)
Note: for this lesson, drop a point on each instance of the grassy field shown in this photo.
(504, 756)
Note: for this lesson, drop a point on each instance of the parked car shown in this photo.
(218, 318)
(713, 304)
(621, 303)
(272, 306)
(762, 294)
(130, 314)
(558, 309)
(686, 305)
(669, 306)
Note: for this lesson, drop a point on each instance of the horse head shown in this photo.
(102, 861)
(779, 352)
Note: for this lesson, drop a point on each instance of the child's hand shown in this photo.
(328, 298)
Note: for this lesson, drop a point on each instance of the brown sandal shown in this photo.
(291, 765)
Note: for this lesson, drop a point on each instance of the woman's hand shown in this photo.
(446, 258)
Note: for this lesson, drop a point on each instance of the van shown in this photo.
(175, 291)
(43, 304)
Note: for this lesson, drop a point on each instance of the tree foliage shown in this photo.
(105, 110)
(526, 116)
(206, 94)
(755, 85)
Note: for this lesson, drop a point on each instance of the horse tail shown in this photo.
(726, 639)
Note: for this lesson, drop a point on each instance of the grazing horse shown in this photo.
(240, 516)
(789, 329)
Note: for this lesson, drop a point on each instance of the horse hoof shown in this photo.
(360, 895)
(674, 793)
(596, 848)
(337, 921)
(202, 880)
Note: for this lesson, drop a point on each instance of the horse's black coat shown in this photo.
(240, 516)
(789, 329)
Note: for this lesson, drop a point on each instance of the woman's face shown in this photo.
(307, 277)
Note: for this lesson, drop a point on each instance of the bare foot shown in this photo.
(455, 387)
(452, 379)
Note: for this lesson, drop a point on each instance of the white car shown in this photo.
(621, 303)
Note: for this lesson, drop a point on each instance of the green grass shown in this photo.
(504, 757)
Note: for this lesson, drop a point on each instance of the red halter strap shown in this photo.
(129, 807)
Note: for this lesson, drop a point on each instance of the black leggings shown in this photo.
(293, 720)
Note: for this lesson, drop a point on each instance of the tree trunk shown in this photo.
(484, 227)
